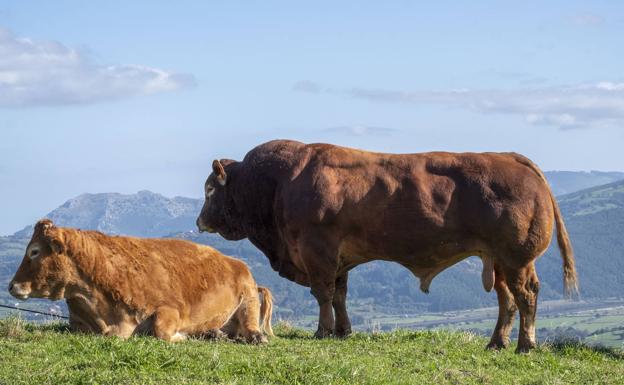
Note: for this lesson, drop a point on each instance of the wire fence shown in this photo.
(57, 315)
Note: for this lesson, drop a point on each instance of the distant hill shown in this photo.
(594, 217)
(148, 214)
(595, 220)
(565, 182)
(144, 214)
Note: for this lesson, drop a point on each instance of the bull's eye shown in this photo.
(209, 191)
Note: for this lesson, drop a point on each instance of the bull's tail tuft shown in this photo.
(266, 310)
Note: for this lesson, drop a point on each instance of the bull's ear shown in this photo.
(219, 171)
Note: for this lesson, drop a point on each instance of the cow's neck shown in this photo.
(97, 297)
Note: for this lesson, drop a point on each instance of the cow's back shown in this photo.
(150, 272)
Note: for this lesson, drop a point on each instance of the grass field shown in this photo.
(48, 354)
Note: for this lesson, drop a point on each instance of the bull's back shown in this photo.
(403, 203)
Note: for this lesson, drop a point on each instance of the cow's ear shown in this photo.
(53, 236)
(42, 225)
(219, 171)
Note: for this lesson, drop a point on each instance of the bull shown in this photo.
(318, 210)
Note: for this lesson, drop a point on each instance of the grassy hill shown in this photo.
(47, 354)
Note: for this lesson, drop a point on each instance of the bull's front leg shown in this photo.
(320, 260)
(343, 325)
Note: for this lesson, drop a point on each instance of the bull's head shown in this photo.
(45, 269)
(218, 215)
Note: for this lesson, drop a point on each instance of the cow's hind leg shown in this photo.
(506, 312)
(524, 285)
(248, 315)
(166, 322)
(343, 325)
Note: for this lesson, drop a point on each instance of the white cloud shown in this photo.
(588, 19)
(360, 130)
(35, 73)
(578, 106)
(307, 86)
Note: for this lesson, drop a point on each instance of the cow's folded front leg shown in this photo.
(166, 321)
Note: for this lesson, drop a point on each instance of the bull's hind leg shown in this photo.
(248, 315)
(506, 312)
(524, 285)
(343, 325)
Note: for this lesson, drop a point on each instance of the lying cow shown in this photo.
(123, 286)
(318, 210)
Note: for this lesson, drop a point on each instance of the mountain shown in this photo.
(147, 214)
(144, 214)
(594, 218)
(565, 182)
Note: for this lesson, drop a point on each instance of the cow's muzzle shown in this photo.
(18, 291)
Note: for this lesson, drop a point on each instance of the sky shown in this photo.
(122, 96)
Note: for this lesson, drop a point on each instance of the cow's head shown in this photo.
(45, 269)
(219, 213)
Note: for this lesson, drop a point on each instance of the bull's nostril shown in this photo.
(11, 286)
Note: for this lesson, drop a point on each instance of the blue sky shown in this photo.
(125, 96)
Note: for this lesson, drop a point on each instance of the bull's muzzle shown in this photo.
(202, 227)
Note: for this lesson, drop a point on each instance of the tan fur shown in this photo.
(266, 310)
(123, 286)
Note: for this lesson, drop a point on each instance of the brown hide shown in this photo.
(123, 285)
(319, 210)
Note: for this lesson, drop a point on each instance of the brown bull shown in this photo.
(318, 210)
(123, 286)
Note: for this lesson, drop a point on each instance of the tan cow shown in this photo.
(123, 286)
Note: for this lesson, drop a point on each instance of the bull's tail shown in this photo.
(570, 283)
(266, 310)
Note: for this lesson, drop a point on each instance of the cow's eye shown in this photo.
(209, 190)
(34, 253)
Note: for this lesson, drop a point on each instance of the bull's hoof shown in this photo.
(497, 345)
(343, 333)
(323, 333)
(525, 347)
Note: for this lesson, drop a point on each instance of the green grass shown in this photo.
(49, 354)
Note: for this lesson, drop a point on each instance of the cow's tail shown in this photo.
(266, 310)
(570, 282)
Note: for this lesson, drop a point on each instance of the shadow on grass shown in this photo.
(16, 327)
(561, 346)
